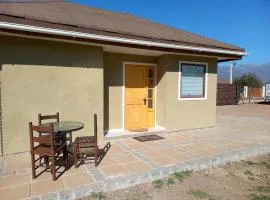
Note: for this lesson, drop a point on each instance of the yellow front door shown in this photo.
(136, 97)
(139, 98)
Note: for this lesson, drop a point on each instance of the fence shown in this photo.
(254, 92)
(227, 94)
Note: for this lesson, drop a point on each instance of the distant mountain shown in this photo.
(262, 71)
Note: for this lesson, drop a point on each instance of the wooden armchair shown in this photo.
(44, 147)
(86, 146)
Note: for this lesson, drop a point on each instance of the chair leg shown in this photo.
(53, 168)
(33, 165)
(65, 154)
(46, 159)
(75, 155)
(96, 157)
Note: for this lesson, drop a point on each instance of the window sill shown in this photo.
(192, 99)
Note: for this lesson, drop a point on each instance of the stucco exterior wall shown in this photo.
(46, 77)
(113, 86)
(174, 114)
(39, 76)
(171, 113)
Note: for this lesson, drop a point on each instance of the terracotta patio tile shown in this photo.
(7, 181)
(231, 146)
(115, 149)
(125, 158)
(167, 150)
(43, 176)
(151, 154)
(14, 193)
(74, 180)
(114, 170)
(181, 157)
(176, 139)
(46, 175)
(134, 144)
(213, 151)
(46, 186)
(74, 170)
(17, 162)
(154, 144)
(189, 147)
(200, 145)
(199, 153)
(137, 166)
(108, 160)
(164, 160)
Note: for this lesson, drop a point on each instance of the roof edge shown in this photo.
(148, 43)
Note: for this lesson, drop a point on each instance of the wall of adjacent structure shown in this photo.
(174, 114)
(113, 86)
(46, 77)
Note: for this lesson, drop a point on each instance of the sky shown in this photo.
(245, 23)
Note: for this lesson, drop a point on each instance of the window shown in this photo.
(192, 81)
(150, 88)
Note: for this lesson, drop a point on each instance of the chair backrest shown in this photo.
(47, 117)
(35, 137)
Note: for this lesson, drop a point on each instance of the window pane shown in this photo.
(150, 73)
(150, 103)
(192, 80)
(150, 93)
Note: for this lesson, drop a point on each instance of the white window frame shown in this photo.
(205, 81)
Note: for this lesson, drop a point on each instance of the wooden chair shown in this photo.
(44, 147)
(86, 146)
(67, 137)
(47, 117)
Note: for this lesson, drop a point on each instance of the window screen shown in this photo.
(192, 81)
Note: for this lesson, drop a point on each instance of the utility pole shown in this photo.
(231, 67)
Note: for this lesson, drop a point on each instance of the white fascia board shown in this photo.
(37, 29)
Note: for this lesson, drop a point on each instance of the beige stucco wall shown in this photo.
(40, 76)
(174, 114)
(45, 77)
(113, 84)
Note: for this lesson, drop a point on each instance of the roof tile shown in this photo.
(121, 23)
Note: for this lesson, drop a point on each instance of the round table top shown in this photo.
(65, 126)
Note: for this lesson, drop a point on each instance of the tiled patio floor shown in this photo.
(236, 130)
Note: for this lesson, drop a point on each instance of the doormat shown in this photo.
(146, 138)
(139, 130)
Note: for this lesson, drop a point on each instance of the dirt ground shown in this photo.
(248, 179)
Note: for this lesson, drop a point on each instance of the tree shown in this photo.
(250, 80)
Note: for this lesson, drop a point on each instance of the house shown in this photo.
(134, 73)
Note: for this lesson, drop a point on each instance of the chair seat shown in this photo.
(86, 146)
(44, 149)
(88, 150)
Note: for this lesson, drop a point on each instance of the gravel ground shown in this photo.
(248, 179)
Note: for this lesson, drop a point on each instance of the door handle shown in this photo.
(144, 100)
